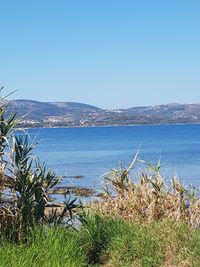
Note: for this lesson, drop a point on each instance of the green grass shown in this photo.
(108, 242)
(54, 247)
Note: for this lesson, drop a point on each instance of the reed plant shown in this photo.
(146, 195)
(24, 181)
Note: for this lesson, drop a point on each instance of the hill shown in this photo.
(36, 110)
(36, 113)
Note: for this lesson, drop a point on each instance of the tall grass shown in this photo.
(53, 247)
(148, 196)
(104, 241)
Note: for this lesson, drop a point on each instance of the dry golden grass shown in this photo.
(148, 197)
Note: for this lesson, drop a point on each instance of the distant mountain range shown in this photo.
(35, 110)
(50, 114)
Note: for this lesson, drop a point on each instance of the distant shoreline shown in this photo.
(109, 126)
(73, 115)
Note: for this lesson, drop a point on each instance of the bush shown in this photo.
(24, 181)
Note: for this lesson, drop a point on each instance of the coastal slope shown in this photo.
(79, 114)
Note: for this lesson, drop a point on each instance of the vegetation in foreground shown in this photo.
(107, 242)
(148, 196)
(140, 222)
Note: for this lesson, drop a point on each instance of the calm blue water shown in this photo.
(93, 151)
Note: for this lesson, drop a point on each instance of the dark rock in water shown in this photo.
(78, 191)
(52, 199)
(74, 176)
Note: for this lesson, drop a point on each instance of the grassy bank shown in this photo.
(105, 241)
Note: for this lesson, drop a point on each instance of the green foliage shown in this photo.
(97, 233)
(53, 247)
(22, 176)
(105, 241)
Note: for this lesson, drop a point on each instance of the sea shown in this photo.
(91, 152)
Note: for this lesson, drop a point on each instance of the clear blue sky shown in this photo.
(110, 53)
